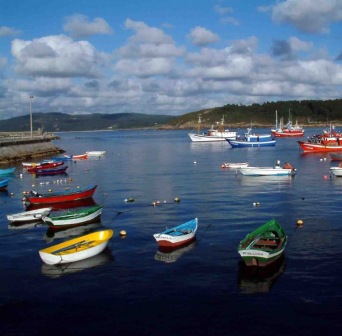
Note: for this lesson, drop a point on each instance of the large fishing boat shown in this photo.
(288, 130)
(214, 134)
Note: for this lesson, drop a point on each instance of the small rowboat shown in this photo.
(7, 171)
(60, 196)
(178, 235)
(4, 184)
(80, 157)
(264, 245)
(77, 249)
(45, 165)
(71, 218)
(95, 153)
(337, 171)
(29, 216)
(235, 165)
(51, 171)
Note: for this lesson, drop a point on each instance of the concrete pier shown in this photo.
(20, 149)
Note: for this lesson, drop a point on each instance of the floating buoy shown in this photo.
(130, 200)
(50, 190)
(195, 162)
(70, 179)
(300, 222)
(256, 203)
(325, 177)
(123, 233)
(21, 175)
(177, 199)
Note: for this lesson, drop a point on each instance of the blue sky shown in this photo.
(166, 57)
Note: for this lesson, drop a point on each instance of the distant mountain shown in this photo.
(306, 112)
(55, 122)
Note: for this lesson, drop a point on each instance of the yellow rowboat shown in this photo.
(77, 249)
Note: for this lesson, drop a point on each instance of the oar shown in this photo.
(74, 246)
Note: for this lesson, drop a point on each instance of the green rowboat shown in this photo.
(264, 245)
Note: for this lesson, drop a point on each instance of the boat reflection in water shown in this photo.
(56, 271)
(253, 279)
(171, 255)
(21, 226)
(63, 205)
(73, 232)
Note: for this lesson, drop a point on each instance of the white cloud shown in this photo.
(299, 45)
(222, 10)
(8, 31)
(56, 56)
(78, 26)
(308, 15)
(200, 36)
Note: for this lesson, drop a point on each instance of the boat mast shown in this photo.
(199, 124)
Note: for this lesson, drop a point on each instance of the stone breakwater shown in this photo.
(24, 149)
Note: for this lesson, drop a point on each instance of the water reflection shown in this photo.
(170, 256)
(56, 271)
(76, 231)
(260, 279)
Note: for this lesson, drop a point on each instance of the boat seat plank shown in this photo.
(266, 242)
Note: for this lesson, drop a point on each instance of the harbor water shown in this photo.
(200, 289)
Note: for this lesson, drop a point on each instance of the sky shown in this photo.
(165, 57)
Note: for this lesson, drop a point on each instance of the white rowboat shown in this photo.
(29, 216)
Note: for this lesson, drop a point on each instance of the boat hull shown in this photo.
(74, 218)
(51, 171)
(264, 245)
(77, 249)
(244, 143)
(337, 171)
(4, 184)
(95, 153)
(335, 156)
(267, 171)
(309, 147)
(72, 195)
(175, 237)
(289, 134)
(29, 216)
(7, 171)
(212, 138)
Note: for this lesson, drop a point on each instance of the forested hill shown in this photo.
(55, 122)
(306, 112)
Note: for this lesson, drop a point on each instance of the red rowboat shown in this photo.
(47, 165)
(84, 202)
(60, 196)
(287, 133)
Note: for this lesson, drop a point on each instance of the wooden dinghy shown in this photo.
(80, 157)
(60, 196)
(77, 249)
(264, 245)
(29, 216)
(71, 218)
(178, 235)
(95, 153)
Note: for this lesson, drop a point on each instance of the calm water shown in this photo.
(202, 289)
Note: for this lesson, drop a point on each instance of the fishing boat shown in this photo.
(60, 196)
(77, 217)
(51, 171)
(234, 165)
(7, 171)
(4, 184)
(77, 249)
(250, 139)
(213, 135)
(178, 235)
(80, 157)
(264, 245)
(328, 141)
(335, 156)
(288, 130)
(95, 153)
(277, 170)
(29, 216)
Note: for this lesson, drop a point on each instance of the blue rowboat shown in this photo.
(178, 235)
(4, 184)
(246, 143)
(7, 171)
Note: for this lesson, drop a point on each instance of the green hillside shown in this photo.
(306, 112)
